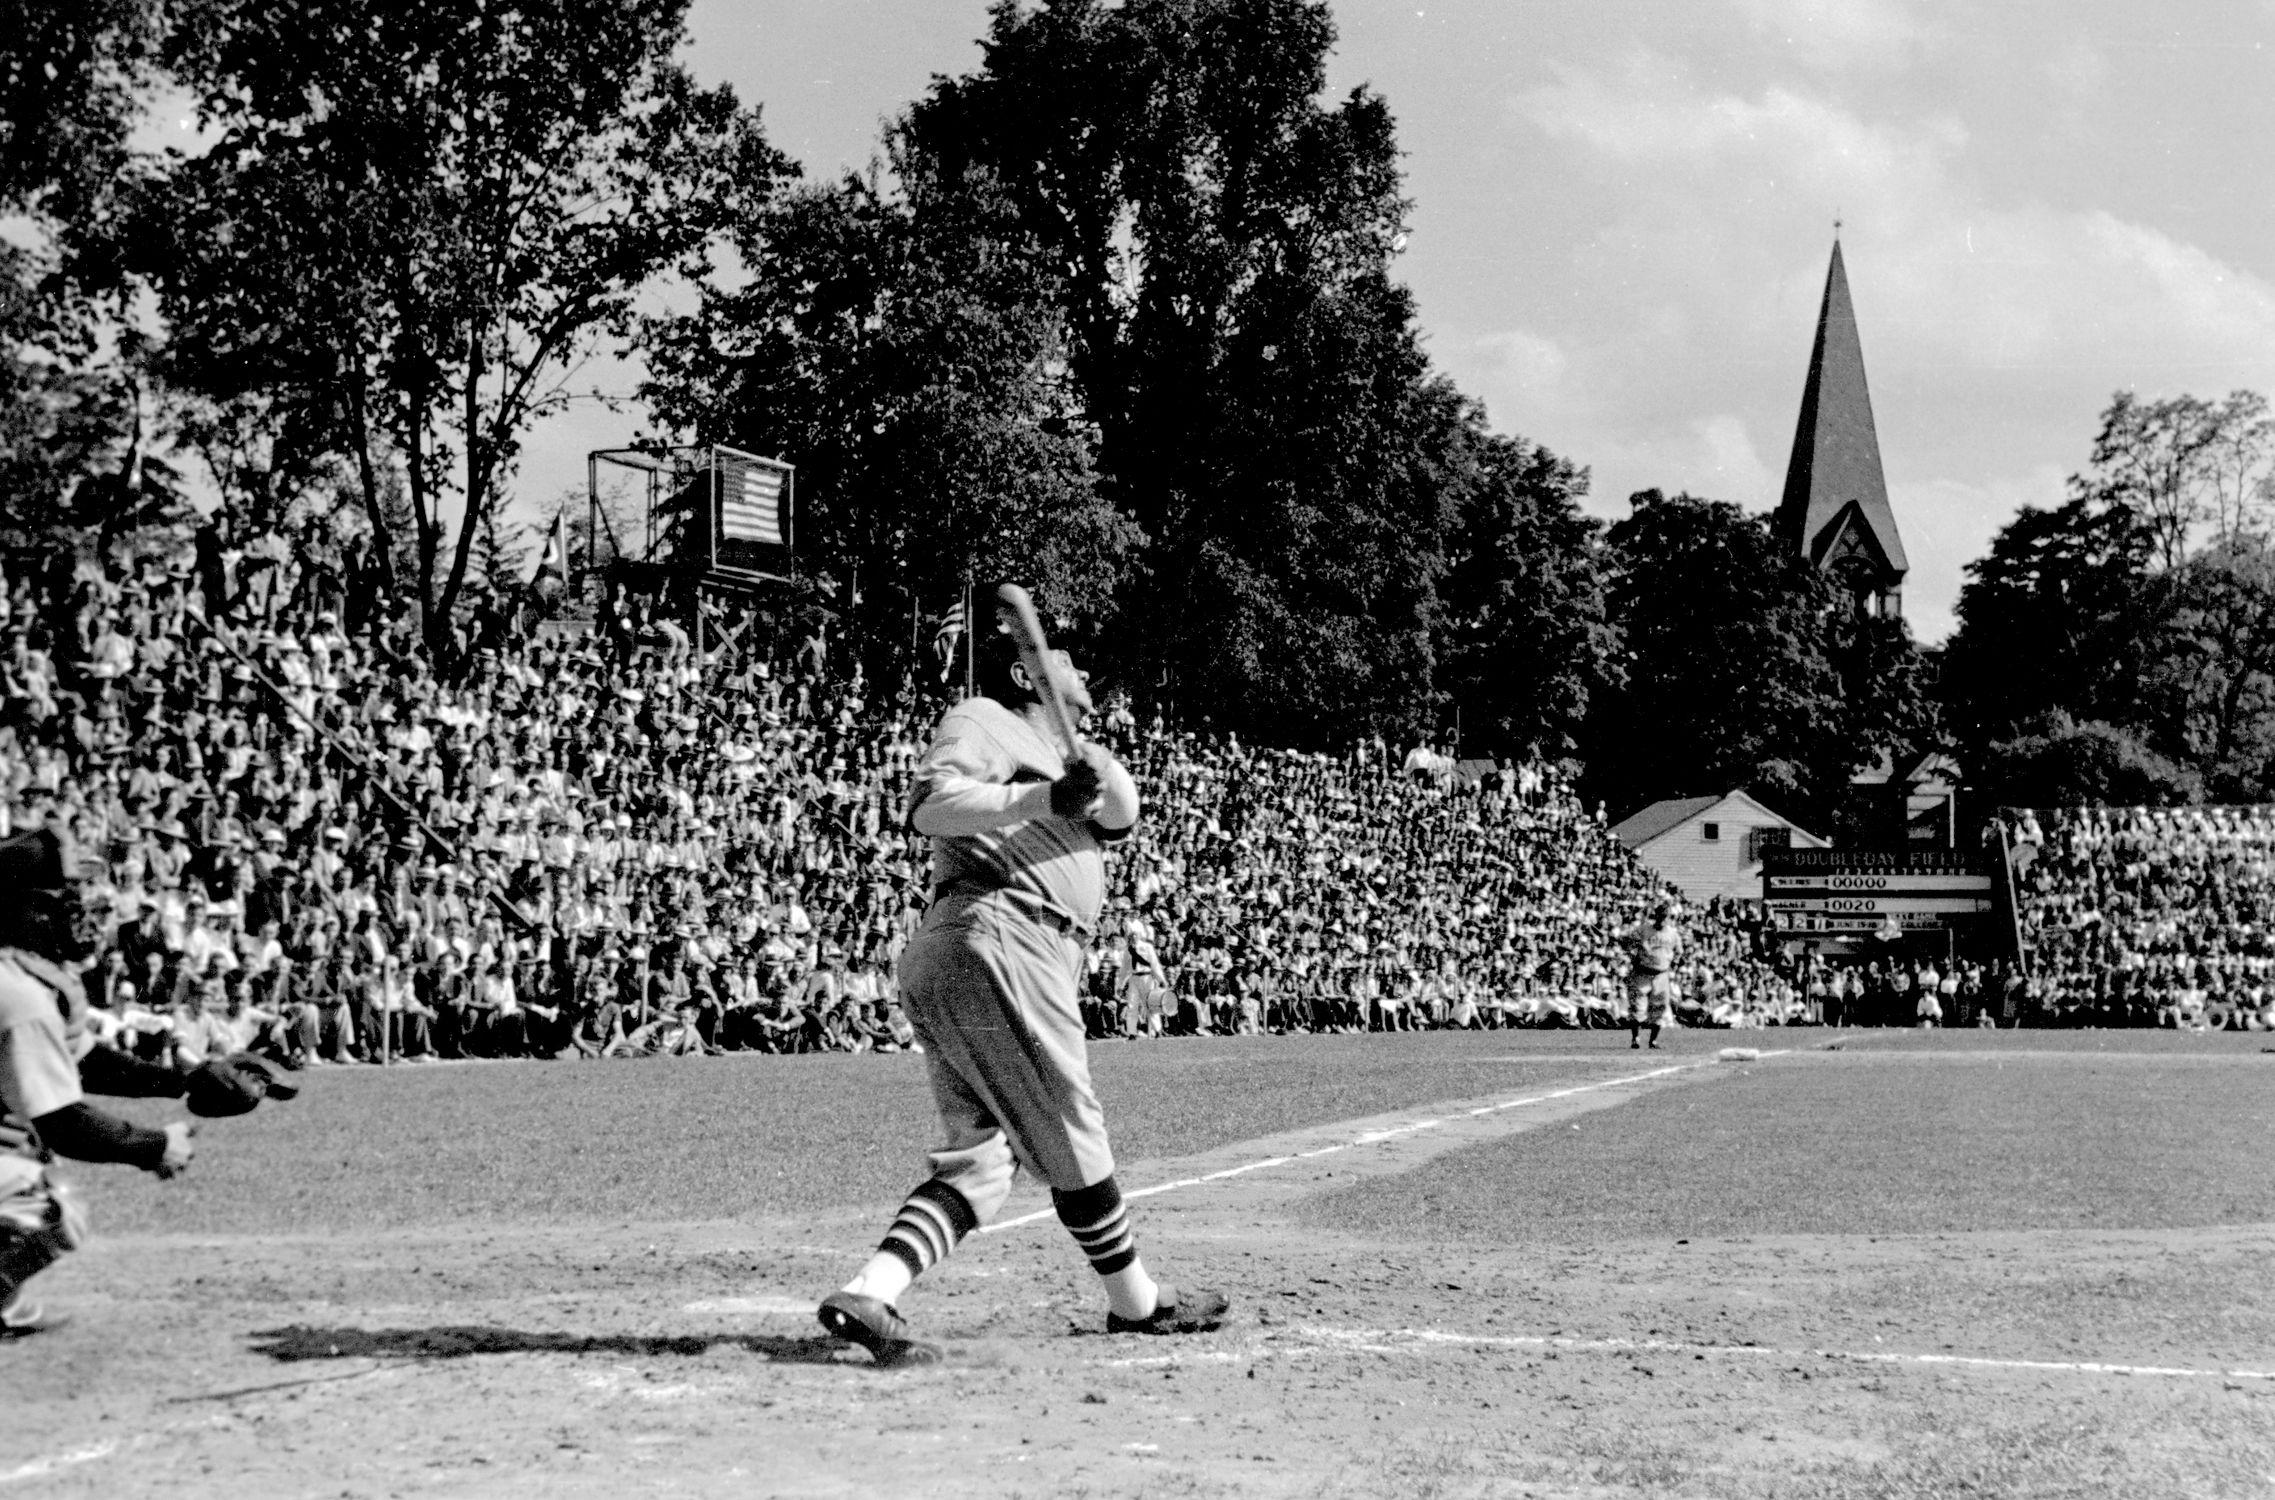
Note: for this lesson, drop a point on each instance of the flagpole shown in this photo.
(971, 630)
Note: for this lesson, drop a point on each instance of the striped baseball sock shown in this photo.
(929, 1226)
(1100, 1224)
(924, 1233)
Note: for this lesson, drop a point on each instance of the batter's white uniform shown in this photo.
(991, 980)
(990, 984)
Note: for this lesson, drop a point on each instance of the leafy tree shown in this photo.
(905, 349)
(2139, 615)
(1888, 697)
(2055, 761)
(2049, 621)
(1529, 642)
(419, 219)
(2208, 682)
(80, 456)
(70, 71)
(2185, 469)
(1734, 669)
(504, 554)
(79, 426)
(1219, 236)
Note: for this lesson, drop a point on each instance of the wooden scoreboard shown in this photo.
(1842, 899)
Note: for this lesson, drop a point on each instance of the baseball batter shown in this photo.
(1651, 948)
(990, 984)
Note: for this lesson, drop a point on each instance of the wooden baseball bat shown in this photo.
(1017, 612)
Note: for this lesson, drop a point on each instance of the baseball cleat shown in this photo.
(1191, 1312)
(22, 1318)
(877, 1326)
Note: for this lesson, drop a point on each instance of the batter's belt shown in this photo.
(1029, 905)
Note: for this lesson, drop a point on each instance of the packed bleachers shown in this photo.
(1277, 890)
(576, 848)
(304, 840)
(2149, 917)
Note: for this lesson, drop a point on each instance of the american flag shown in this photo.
(944, 639)
(750, 502)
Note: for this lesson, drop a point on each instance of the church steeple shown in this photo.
(1835, 508)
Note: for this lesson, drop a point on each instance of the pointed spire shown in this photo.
(1836, 451)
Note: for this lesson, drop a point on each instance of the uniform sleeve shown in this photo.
(1118, 804)
(37, 1075)
(964, 783)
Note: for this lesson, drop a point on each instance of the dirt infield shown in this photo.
(1371, 1355)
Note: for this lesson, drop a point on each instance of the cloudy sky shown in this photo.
(1623, 209)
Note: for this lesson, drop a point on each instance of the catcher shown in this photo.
(48, 1064)
(1651, 948)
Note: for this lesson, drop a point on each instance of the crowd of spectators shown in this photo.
(1274, 890)
(2148, 917)
(305, 840)
(590, 843)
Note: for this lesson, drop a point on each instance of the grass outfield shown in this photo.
(1924, 1132)
(676, 1139)
(1902, 1134)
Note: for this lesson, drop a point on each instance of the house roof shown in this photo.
(1836, 450)
(1643, 827)
(1664, 817)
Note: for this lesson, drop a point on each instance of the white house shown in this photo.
(1711, 846)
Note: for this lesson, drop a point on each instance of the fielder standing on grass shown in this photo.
(1652, 945)
(1018, 809)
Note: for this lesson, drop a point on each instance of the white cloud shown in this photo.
(1726, 454)
(1839, 34)
(2078, 70)
(1647, 112)
(1995, 284)
(1527, 365)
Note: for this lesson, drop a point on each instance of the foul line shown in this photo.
(1371, 1138)
(1416, 1340)
(56, 1463)
(41, 1468)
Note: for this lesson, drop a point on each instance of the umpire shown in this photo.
(991, 984)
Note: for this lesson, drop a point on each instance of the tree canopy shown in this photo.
(2134, 626)
(78, 452)
(1746, 668)
(1218, 235)
(909, 353)
(417, 220)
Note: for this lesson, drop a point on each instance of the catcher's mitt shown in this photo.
(233, 1085)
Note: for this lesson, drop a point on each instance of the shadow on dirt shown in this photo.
(297, 1343)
